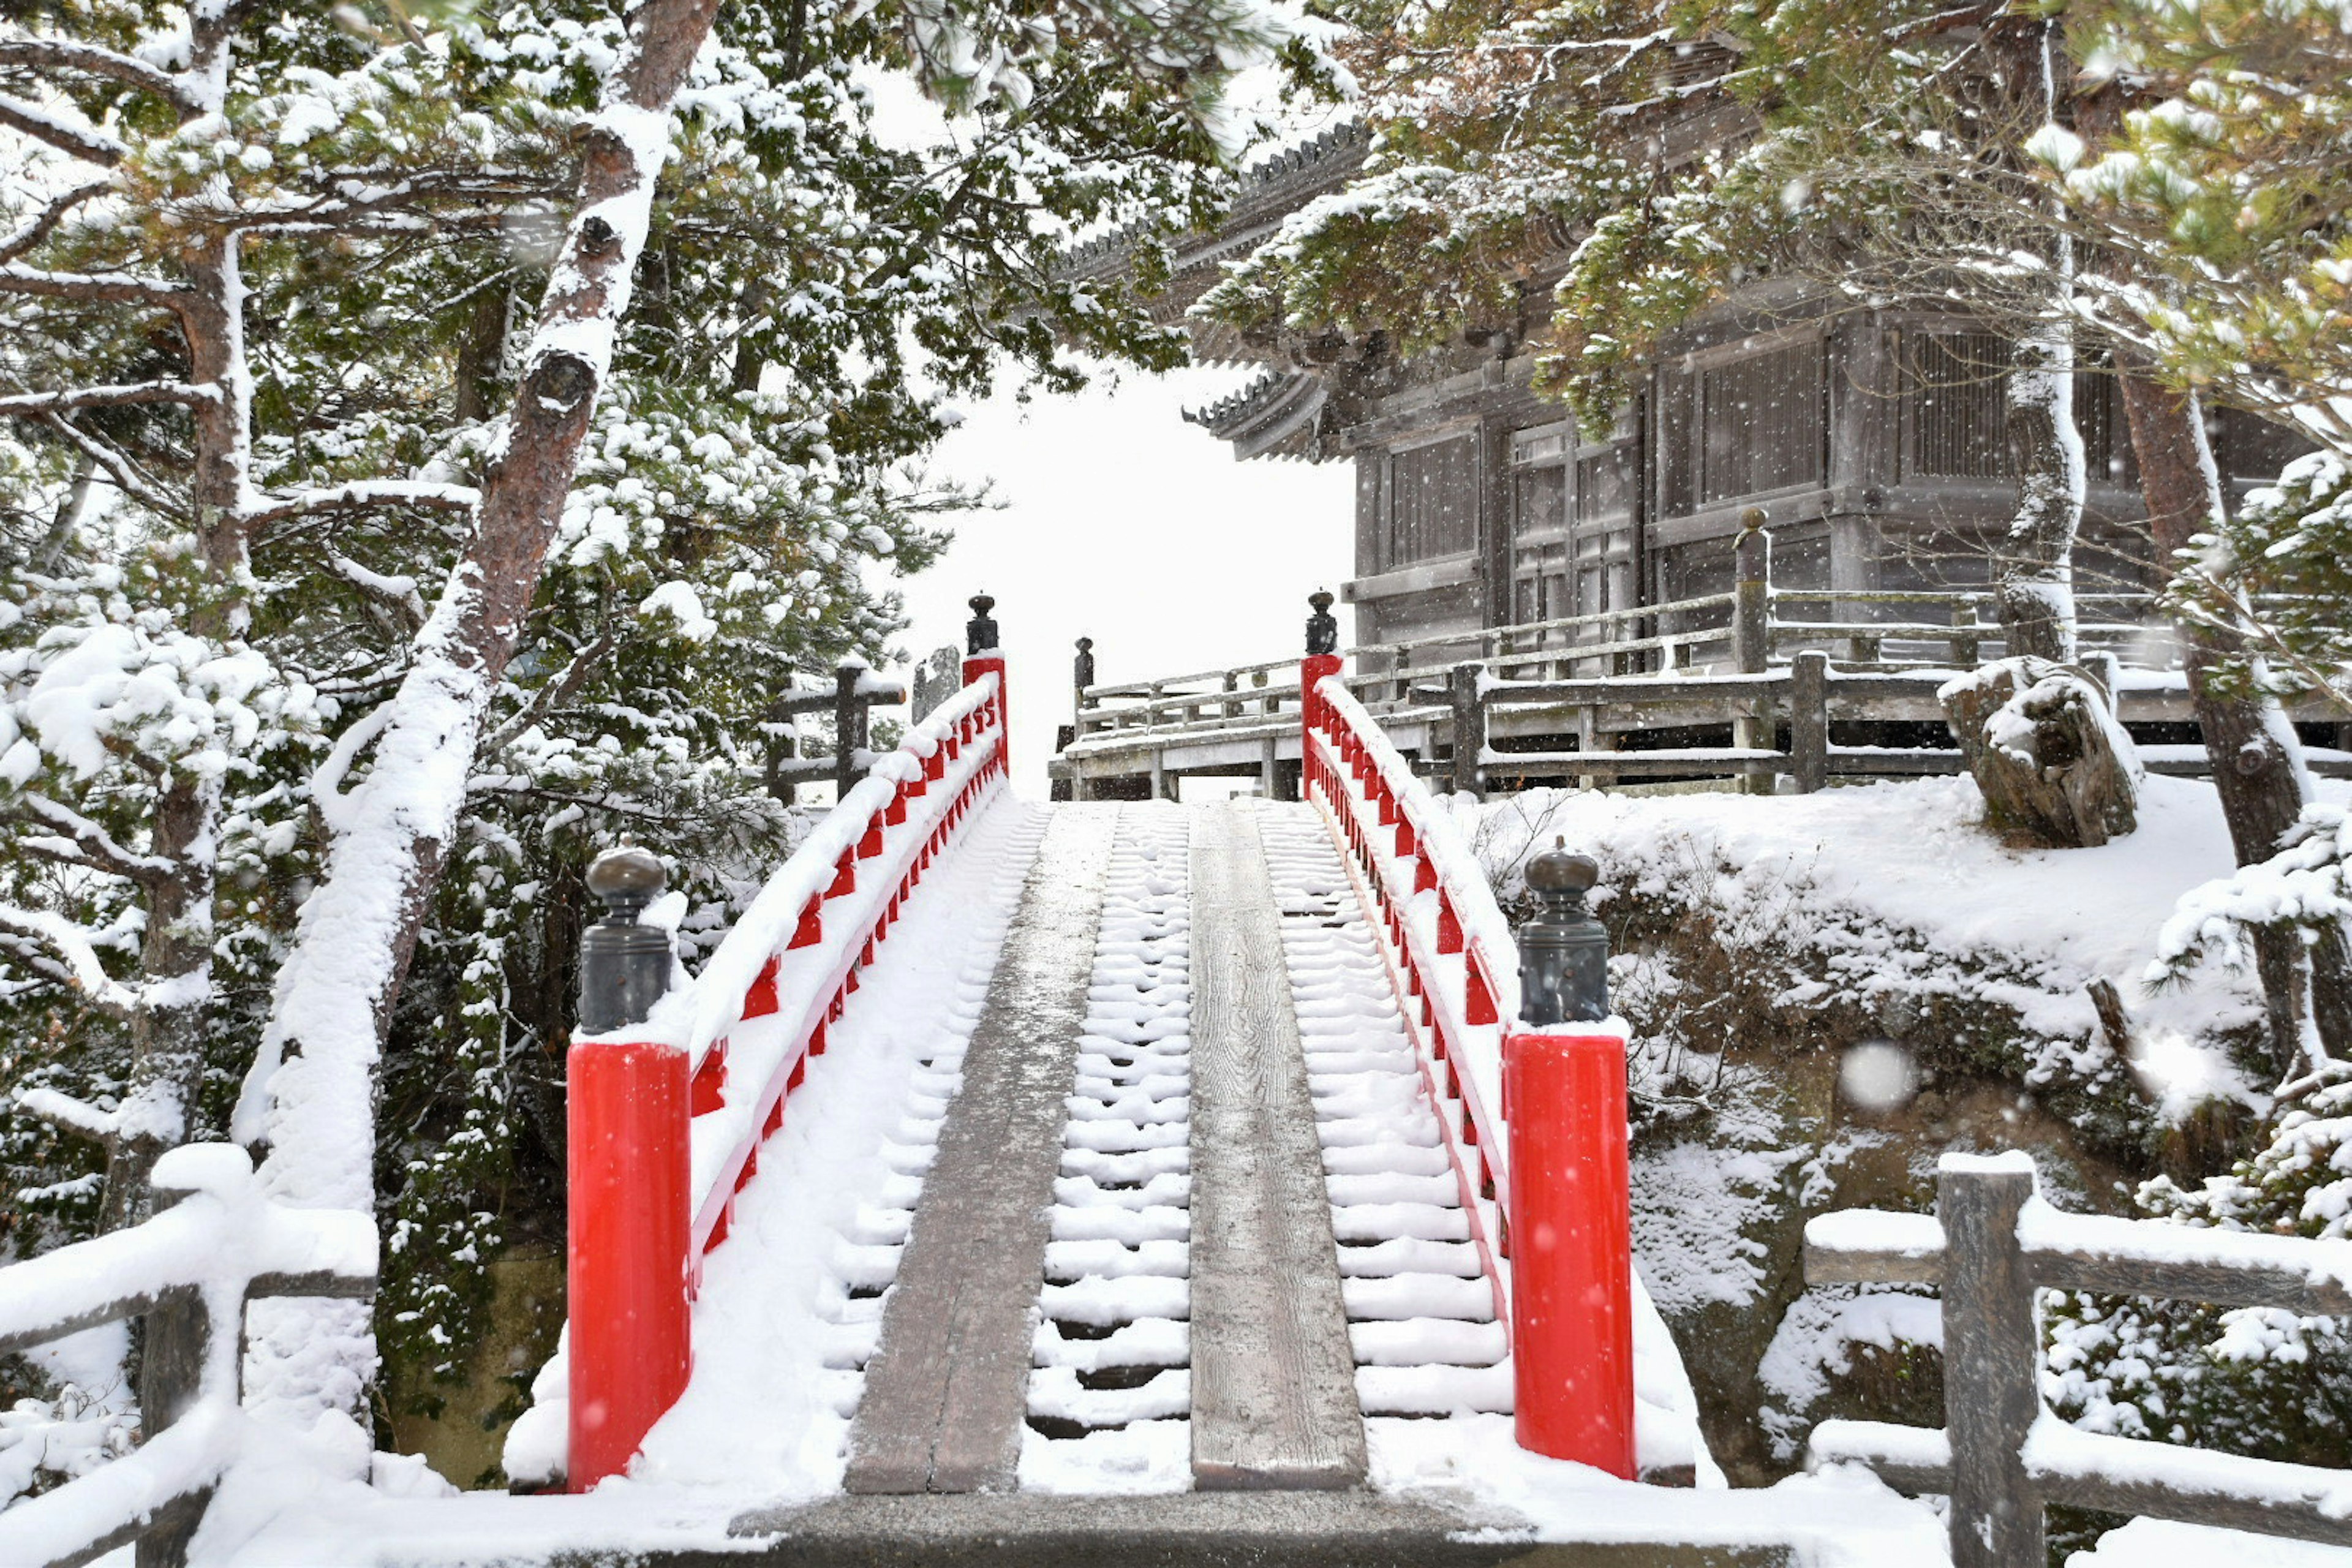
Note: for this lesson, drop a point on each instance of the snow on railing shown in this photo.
(668, 1117)
(2002, 1456)
(215, 1244)
(1534, 1117)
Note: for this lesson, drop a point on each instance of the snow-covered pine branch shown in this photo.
(83, 141)
(71, 943)
(35, 405)
(43, 223)
(70, 55)
(362, 494)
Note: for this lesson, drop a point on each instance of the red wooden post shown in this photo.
(630, 1249)
(1572, 1244)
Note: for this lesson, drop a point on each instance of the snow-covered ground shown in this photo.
(2160, 1543)
(792, 1303)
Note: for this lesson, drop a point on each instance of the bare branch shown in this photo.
(82, 142)
(367, 495)
(45, 221)
(553, 694)
(39, 404)
(60, 54)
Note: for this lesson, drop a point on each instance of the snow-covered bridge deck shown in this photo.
(991, 1262)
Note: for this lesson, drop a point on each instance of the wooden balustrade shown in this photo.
(1635, 691)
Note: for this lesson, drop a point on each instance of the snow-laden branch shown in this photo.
(88, 59)
(327, 780)
(366, 494)
(35, 405)
(83, 141)
(63, 1111)
(16, 278)
(397, 593)
(71, 943)
(41, 224)
(97, 846)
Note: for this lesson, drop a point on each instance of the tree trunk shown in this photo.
(175, 957)
(2251, 749)
(480, 353)
(2036, 589)
(313, 1089)
(167, 1032)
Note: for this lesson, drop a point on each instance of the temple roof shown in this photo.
(1274, 416)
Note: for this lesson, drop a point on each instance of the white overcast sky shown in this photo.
(1122, 522)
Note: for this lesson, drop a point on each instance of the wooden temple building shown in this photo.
(1872, 440)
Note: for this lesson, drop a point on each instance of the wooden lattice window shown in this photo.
(1762, 422)
(1432, 501)
(1953, 404)
(1742, 427)
(1956, 410)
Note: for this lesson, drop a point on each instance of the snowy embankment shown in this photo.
(792, 1303)
(1111, 1394)
(1902, 885)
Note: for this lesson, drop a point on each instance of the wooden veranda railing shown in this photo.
(1771, 669)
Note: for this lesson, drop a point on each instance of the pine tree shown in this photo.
(338, 570)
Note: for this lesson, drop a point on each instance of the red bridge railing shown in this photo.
(1534, 1116)
(668, 1117)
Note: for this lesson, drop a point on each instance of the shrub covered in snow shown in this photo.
(2252, 1381)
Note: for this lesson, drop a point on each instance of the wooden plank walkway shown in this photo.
(1273, 1380)
(947, 1392)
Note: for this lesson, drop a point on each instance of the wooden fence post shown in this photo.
(1751, 635)
(1966, 646)
(1751, 607)
(1992, 1360)
(1469, 728)
(850, 734)
(1082, 675)
(170, 1378)
(1809, 719)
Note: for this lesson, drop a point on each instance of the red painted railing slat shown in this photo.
(1542, 1171)
(637, 1234)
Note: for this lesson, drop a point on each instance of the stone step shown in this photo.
(1182, 1530)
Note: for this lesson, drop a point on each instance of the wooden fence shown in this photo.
(850, 699)
(2000, 1457)
(213, 1243)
